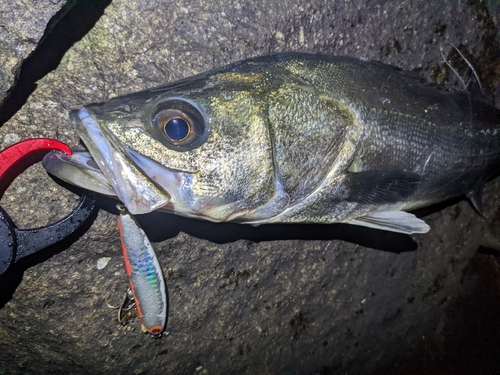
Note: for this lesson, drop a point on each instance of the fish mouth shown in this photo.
(113, 169)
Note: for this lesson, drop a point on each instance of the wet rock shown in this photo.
(264, 300)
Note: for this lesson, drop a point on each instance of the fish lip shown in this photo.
(138, 191)
(89, 130)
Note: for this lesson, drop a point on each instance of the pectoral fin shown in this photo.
(376, 187)
(394, 221)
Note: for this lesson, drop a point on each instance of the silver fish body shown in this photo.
(289, 138)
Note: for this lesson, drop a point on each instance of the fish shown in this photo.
(287, 138)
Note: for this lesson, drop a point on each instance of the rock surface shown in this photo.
(347, 300)
(23, 23)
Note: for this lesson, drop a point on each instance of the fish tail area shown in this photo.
(490, 116)
(486, 119)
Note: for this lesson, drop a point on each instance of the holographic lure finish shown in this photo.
(145, 275)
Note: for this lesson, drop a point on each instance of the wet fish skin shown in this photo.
(299, 138)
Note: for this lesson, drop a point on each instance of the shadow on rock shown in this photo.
(160, 226)
(11, 279)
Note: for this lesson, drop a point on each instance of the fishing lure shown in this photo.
(145, 275)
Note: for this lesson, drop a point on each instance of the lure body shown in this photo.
(145, 275)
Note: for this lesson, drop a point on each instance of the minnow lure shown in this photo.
(145, 275)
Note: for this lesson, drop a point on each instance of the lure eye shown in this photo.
(180, 125)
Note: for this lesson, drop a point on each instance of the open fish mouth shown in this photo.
(113, 169)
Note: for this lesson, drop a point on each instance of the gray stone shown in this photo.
(22, 25)
(340, 305)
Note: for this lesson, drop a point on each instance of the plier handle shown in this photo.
(15, 243)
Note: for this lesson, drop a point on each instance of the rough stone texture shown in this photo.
(22, 25)
(275, 306)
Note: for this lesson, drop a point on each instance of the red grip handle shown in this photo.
(15, 159)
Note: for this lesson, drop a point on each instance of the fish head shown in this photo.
(200, 148)
(246, 142)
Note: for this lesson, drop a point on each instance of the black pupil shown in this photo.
(177, 129)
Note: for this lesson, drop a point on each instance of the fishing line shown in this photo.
(460, 78)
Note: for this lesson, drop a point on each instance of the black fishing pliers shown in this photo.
(15, 243)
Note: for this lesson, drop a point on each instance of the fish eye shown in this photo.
(179, 125)
(177, 129)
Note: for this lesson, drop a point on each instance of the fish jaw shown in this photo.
(139, 193)
(78, 169)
